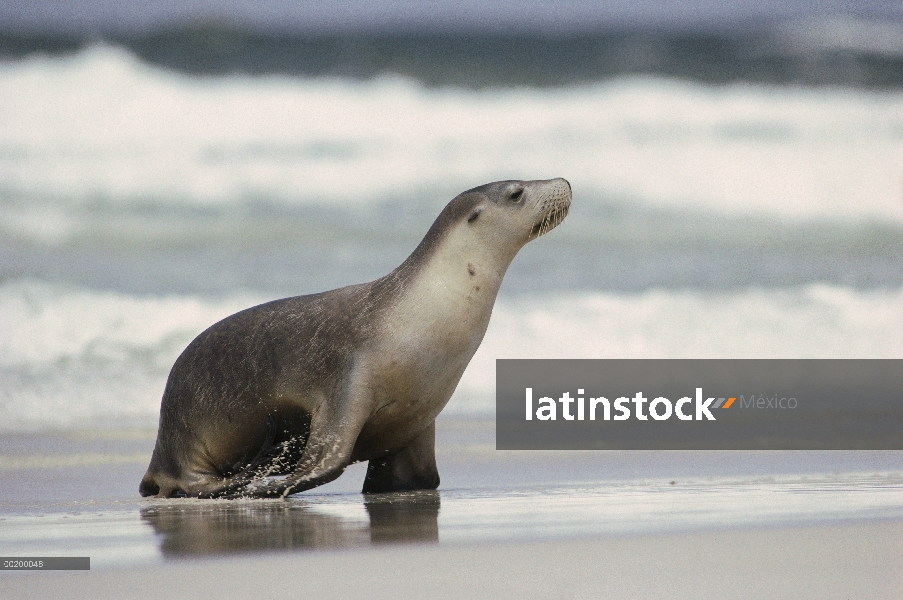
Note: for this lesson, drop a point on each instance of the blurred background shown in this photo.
(737, 171)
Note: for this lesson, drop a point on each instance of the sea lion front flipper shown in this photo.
(411, 468)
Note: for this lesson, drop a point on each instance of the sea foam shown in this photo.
(103, 127)
(72, 357)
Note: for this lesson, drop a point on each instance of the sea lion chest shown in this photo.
(427, 337)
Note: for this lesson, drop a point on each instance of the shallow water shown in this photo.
(152, 531)
(75, 494)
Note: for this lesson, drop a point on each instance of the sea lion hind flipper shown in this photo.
(322, 462)
(411, 468)
(333, 431)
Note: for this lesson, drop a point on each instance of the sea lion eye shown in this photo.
(515, 197)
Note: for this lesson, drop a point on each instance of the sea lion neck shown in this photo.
(454, 213)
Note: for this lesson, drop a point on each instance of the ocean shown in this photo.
(146, 195)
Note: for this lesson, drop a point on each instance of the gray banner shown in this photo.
(45, 563)
(699, 404)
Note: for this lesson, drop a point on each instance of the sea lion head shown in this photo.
(494, 220)
(511, 213)
(520, 210)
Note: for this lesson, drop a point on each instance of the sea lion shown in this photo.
(305, 386)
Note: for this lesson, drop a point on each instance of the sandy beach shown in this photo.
(828, 561)
(502, 524)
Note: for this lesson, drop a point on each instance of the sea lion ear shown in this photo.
(473, 215)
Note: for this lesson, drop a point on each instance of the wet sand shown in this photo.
(837, 561)
(575, 524)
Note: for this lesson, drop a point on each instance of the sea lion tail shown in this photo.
(153, 485)
(148, 485)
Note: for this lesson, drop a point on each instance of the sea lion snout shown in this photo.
(552, 199)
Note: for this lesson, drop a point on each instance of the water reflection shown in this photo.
(403, 518)
(199, 527)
